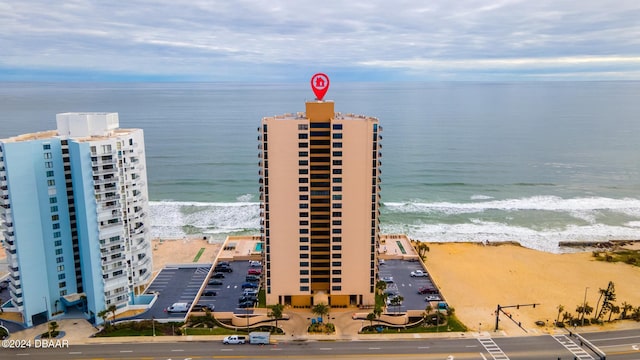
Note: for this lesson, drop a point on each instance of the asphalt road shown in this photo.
(619, 345)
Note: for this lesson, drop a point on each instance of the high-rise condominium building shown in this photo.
(320, 193)
(74, 215)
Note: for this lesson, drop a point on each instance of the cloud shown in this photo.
(281, 40)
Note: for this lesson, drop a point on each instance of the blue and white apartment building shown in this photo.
(75, 218)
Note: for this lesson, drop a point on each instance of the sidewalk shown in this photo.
(79, 331)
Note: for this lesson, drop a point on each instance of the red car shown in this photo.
(254, 271)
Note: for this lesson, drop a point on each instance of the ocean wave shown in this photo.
(600, 219)
(484, 231)
(629, 206)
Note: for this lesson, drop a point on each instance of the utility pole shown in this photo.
(584, 304)
(500, 309)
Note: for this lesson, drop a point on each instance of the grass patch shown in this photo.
(631, 257)
(402, 250)
(262, 299)
(212, 331)
(195, 259)
(452, 325)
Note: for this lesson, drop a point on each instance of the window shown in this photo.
(303, 145)
(49, 173)
(336, 231)
(48, 164)
(337, 153)
(62, 284)
(336, 263)
(336, 239)
(47, 155)
(303, 153)
(61, 276)
(337, 180)
(63, 292)
(337, 214)
(54, 208)
(337, 145)
(304, 247)
(304, 280)
(58, 243)
(304, 206)
(336, 272)
(304, 239)
(337, 197)
(336, 222)
(46, 146)
(303, 188)
(60, 268)
(58, 251)
(336, 256)
(53, 200)
(337, 126)
(302, 127)
(304, 272)
(56, 226)
(55, 217)
(336, 288)
(304, 231)
(56, 234)
(336, 247)
(337, 280)
(337, 135)
(304, 256)
(336, 206)
(303, 180)
(304, 197)
(337, 162)
(303, 162)
(303, 171)
(59, 259)
(302, 136)
(337, 171)
(304, 288)
(304, 263)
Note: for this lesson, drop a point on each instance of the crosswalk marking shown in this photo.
(493, 349)
(576, 350)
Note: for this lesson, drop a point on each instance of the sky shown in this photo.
(287, 41)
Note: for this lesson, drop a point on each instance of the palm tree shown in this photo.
(422, 248)
(614, 309)
(381, 286)
(276, 313)
(321, 310)
(560, 310)
(103, 314)
(53, 326)
(626, 307)
(583, 310)
(371, 316)
(397, 301)
(112, 309)
(377, 310)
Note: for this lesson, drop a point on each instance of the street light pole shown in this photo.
(584, 304)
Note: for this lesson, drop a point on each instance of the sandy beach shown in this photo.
(476, 278)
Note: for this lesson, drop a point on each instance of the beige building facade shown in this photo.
(320, 195)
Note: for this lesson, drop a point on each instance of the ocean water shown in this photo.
(536, 163)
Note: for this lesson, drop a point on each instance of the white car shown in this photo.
(387, 279)
(432, 298)
(419, 273)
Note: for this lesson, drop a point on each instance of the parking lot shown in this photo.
(175, 285)
(405, 285)
(231, 289)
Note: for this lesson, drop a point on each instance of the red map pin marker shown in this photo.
(319, 85)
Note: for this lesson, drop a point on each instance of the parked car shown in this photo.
(215, 282)
(178, 307)
(222, 268)
(387, 279)
(246, 304)
(209, 293)
(234, 339)
(250, 291)
(391, 300)
(250, 285)
(203, 307)
(252, 278)
(255, 263)
(432, 298)
(217, 275)
(254, 271)
(246, 298)
(419, 273)
(427, 290)
(223, 263)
